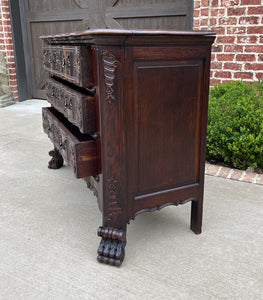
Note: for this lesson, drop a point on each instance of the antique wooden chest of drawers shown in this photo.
(128, 114)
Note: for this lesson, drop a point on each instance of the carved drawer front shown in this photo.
(72, 63)
(78, 150)
(78, 108)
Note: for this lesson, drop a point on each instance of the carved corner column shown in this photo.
(113, 232)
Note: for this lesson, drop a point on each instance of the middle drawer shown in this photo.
(78, 108)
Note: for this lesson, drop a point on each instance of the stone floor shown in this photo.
(49, 221)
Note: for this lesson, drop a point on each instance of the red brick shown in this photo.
(259, 75)
(204, 12)
(224, 172)
(260, 179)
(229, 2)
(6, 22)
(255, 30)
(215, 81)
(12, 77)
(260, 57)
(225, 57)
(258, 10)
(232, 66)
(204, 22)
(9, 47)
(12, 71)
(239, 11)
(261, 39)
(254, 66)
(212, 21)
(236, 30)
(225, 39)
(212, 170)
(249, 177)
(196, 4)
(204, 3)
(196, 23)
(217, 48)
(214, 3)
(4, 3)
(236, 175)
(233, 48)
(250, 2)
(196, 13)
(218, 30)
(5, 9)
(248, 20)
(244, 75)
(254, 48)
(245, 57)
(246, 39)
(227, 21)
(222, 74)
(207, 165)
(217, 12)
(216, 65)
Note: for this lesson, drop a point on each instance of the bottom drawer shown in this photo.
(78, 150)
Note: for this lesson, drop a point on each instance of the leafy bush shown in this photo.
(235, 124)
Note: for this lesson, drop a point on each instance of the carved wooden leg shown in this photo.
(56, 161)
(196, 216)
(111, 249)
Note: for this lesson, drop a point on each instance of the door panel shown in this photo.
(45, 17)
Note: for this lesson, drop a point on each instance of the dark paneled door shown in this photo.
(42, 17)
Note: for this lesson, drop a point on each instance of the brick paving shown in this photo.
(234, 174)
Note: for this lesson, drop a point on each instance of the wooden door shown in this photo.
(44, 17)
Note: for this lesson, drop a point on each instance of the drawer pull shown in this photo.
(70, 105)
(65, 101)
(54, 57)
(63, 61)
(62, 145)
(92, 90)
(68, 61)
(52, 92)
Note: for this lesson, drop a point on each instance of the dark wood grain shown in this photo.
(79, 151)
(150, 110)
(77, 107)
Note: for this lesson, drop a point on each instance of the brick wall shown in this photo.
(6, 46)
(238, 49)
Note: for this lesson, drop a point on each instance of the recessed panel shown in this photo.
(168, 106)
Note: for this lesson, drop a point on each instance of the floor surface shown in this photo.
(49, 220)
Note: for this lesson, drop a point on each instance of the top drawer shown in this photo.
(72, 63)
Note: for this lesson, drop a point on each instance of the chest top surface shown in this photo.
(131, 37)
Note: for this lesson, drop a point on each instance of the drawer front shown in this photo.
(78, 150)
(79, 109)
(72, 63)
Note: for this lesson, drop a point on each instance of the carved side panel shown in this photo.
(111, 63)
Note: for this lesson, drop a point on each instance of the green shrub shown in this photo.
(235, 124)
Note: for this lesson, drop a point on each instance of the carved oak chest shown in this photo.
(128, 114)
